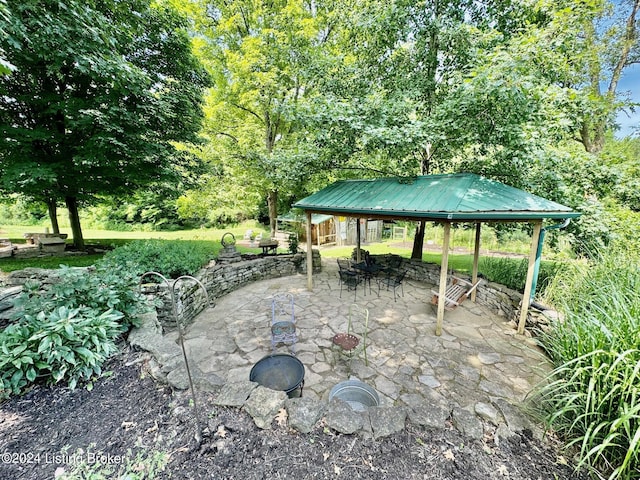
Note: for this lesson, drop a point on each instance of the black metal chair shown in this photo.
(368, 269)
(345, 264)
(393, 281)
(351, 279)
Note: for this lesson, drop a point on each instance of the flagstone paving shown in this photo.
(478, 359)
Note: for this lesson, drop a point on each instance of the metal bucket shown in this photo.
(280, 372)
(357, 394)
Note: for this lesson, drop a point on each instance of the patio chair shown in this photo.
(283, 321)
(345, 264)
(393, 264)
(457, 292)
(354, 340)
(351, 279)
(393, 281)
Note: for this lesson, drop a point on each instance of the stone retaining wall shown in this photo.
(499, 299)
(221, 278)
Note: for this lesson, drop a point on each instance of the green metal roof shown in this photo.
(455, 197)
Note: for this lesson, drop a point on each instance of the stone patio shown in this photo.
(477, 364)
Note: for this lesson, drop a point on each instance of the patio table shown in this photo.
(367, 271)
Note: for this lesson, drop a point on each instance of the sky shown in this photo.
(629, 82)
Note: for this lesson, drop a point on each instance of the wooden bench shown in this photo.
(456, 293)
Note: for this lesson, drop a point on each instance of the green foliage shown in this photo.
(101, 114)
(592, 398)
(11, 264)
(601, 299)
(592, 402)
(108, 287)
(144, 465)
(16, 209)
(512, 272)
(64, 331)
(171, 258)
(59, 344)
(293, 243)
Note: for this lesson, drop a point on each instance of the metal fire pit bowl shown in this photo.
(280, 372)
(357, 394)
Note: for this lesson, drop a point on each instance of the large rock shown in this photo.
(386, 421)
(264, 404)
(467, 423)
(342, 418)
(304, 413)
(433, 416)
(235, 394)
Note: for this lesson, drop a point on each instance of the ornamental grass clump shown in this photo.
(512, 272)
(592, 398)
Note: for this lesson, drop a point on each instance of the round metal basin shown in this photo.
(357, 394)
(281, 372)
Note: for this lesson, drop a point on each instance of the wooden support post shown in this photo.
(476, 257)
(443, 277)
(358, 241)
(309, 254)
(530, 271)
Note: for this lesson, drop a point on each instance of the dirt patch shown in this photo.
(128, 418)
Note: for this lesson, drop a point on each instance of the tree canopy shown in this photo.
(306, 92)
(101, 92)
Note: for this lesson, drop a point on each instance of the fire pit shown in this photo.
(281, 372)
(357, 394)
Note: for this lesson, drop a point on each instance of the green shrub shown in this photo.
(171, 258)
(102, 289)
(64, 331)
(594, 403)
(293, 243)
(56, 345)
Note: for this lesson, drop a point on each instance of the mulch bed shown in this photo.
(128, 416)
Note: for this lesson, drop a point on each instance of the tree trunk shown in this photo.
(272, 202)
(418, 241)
(52, 207)
(74, 219)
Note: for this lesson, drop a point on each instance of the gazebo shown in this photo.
(449, 198)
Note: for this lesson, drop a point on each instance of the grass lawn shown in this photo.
(458, 262)
(114, 238)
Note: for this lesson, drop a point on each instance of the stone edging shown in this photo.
(303, 414)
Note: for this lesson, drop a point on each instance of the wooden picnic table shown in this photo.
(269, 247)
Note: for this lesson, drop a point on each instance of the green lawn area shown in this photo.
(114, 238)
(458, 262)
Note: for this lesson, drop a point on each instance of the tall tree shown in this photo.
(5, 66)
(611, 40)
(407, 60)
(263, 57)
(101, 92)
